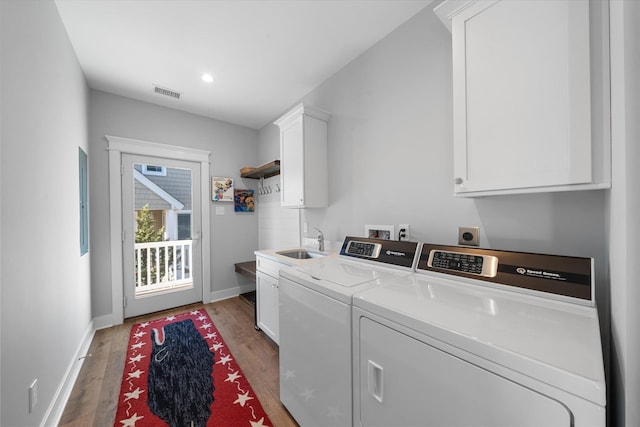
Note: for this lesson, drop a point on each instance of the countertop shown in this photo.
(273, 255)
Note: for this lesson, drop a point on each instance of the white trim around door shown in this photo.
(117, 146)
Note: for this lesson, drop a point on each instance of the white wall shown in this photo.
(233, 235)
(46, 311)
(624, 213)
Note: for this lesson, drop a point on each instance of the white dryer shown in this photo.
(480, 338)
(315, 325)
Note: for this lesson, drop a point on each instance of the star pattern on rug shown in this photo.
(232, 377)
(259, 423)
(131, 422)
(224, 360)
(136, 374)
(206, 326)
(138, 345)
(134, 394)
(134, 382)
(137, 358)
(242, 398)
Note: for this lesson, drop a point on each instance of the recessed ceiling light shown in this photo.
(207, 78)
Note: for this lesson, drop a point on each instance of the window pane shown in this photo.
(184, 226)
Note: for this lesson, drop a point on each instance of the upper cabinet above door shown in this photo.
(528, 83)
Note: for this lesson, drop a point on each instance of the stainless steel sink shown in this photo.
(300, 254)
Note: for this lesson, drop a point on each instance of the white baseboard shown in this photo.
(103, 322)
(106, 321)
(247, 288)
(231, 292)
(54, 412)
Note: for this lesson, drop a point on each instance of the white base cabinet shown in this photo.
(267, 305)
(529, 94)
(267, 296)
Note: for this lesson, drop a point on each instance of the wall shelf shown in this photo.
(265, 171)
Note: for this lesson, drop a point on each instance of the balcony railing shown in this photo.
(162, 266)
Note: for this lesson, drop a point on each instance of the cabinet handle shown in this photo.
(458, 181)
(376, 380)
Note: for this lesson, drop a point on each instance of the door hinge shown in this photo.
(123, 236)
(121, 169)
(124, 302)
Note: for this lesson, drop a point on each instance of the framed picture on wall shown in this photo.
(221, 189)
(244, 201)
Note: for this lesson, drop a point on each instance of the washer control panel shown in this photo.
(481, 265)
(365, 249)
(392, 252)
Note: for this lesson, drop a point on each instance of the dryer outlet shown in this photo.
(469, 236)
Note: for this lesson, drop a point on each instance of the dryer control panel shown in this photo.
(482, 265)
(557, 275)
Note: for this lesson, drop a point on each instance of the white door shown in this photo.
(292, 164)
(161, 211)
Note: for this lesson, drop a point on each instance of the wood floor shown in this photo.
(94, 398)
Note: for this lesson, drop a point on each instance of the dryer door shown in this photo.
(405, 382)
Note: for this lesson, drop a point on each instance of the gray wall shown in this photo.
(234, 236)
(624, 205)
(391, 158)
(46, 311)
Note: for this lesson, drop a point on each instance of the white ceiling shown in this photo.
(265, 55)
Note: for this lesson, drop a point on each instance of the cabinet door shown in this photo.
(292, 164)
(522, 105)
(267, 305)
(405, 382)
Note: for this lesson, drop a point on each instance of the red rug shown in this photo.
(179, 372)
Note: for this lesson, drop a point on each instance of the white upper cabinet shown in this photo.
(303, 158)
(523, 84)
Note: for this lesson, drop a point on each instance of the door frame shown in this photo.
(116, 146)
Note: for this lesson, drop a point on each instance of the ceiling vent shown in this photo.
(167, 92)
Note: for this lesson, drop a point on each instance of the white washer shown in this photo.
(315, 325)
(454, 345)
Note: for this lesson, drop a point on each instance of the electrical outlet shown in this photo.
(469, 236)
(403, 232)
(33, 395)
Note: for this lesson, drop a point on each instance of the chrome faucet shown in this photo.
(320, 240)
